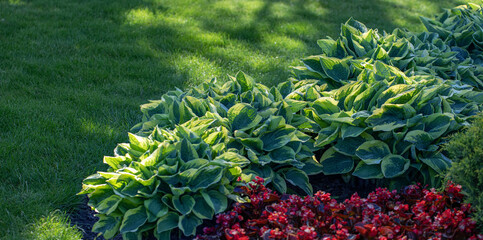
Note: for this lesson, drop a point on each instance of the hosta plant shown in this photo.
(384, 124)
(422, 53)
(460, 27)
(254, 120)
(380, 106)
(414, 213)
(169, 179)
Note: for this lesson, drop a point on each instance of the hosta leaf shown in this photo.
(279, 183)
(243, 116)
(437, 124)
(391, 116)
(235, 159)
(205, 177)
(216, 200)
(245, 81)
(156, 207)
(115, 162)
(351, 131)
(437, 162)
(276, 139)
(335, 68)
(399, 49)
(107, 225)
(201, 209)
(394, 165)
(184, 204)
(187, 151)
(298, 178)
(255, 144)
(133, 219)
(283, 154)
(326, 136)
(195, 105)
(188, 224)
(419, 138)
(167, 222)
(194, 164)
(372, 152)
(132, 236)
(138, 143)
(332, 48)
(108, 205)
(166, 235)
(365, 171)
(295, 105)
(311, 167)
(285, 88)
(349, 145)
(325, 105)
(265, 172)
(335, 163)
(313, 64)
(153, 158)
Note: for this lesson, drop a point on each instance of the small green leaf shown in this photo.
(394, 165)
(372, 152)
(156, 207)
(188, 224)
(279, 183)
(202, 209)
(245, 81)
(437, 162)
(138, 143)
(187, 151)
(243, 116)
(108, 205)
(325, 105)
(133, 219)
(349, 145)
(335, 68)
(335, 163)
(107, 225)
(298, 178)
(419, 138)
(216, 200)
(205, 177)
(365, 171)
(276, 139)
(183, 204)
(167, 222)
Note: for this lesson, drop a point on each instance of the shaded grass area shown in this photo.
(73, 74)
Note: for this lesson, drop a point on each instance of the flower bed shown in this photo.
(414, 213)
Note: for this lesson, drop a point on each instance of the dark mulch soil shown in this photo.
(84, 217)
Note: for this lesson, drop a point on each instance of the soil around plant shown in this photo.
(84, 217)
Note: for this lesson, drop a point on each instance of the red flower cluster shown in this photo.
(415, 213)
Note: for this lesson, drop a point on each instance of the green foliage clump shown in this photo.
(466, 151)
(55, 226)
(169, 179)
(256, 122)
(460, 27)
(389, 103)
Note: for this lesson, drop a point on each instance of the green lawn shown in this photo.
(73, 74)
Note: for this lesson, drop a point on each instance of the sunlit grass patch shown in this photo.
(55, 226)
